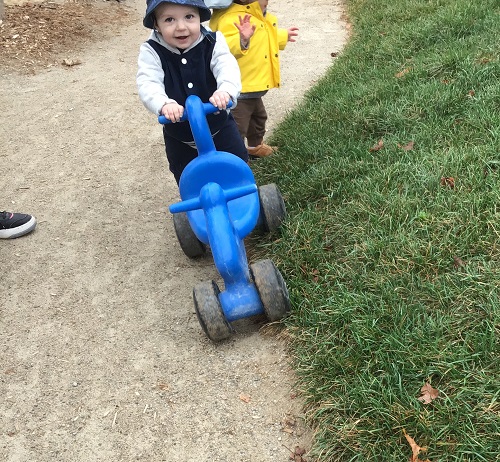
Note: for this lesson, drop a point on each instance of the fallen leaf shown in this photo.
(484, 60)
(408, 147)
(315, 273)
(378, 146)
(402, 73)
(429, 394)
(297, 454)
(299, 451)
(71, 62)
(415, 448)
(245, 398)
(458, 262)
(288, 425)
(448, 181)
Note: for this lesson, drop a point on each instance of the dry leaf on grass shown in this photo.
(407, 147)
(415, 449)
(448, 181)
(429, 394)
(378, 146)
(458, 262)
(402, 73)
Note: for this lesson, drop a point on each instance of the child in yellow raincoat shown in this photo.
(255, 40)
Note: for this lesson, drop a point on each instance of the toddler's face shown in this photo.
(179, 25)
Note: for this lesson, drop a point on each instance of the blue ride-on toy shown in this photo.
(221, 205)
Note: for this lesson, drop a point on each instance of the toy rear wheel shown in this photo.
(209, 311)
(271, 288)
(272, 207)
(190, 244)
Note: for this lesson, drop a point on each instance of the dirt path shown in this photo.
(101, 355)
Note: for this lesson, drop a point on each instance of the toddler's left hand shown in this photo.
(292, 32)
(220, 99)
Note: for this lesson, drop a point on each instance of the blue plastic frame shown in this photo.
(221, 199)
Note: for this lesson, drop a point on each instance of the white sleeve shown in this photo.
(150, 80)
(225, 68)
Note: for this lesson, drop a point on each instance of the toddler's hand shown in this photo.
(292, 32)
(246, 29)
(220, 99)
(172, 111)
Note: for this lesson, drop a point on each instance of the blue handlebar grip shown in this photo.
(186, 206)
(235, 193)
(163, 120)
(208, 108)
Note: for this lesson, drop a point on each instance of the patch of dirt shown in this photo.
(42, 34)
(102, 357)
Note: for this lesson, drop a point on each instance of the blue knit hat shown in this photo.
(149, 19)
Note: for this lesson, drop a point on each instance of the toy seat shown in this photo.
(229, 171)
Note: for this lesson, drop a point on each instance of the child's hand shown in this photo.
(220, 99)
(292, 32)
(246, 29)
(172, 111)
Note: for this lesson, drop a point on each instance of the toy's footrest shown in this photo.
(229, 171)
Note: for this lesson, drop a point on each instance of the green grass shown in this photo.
(395, 277)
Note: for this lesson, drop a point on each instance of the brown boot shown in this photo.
(262, 150)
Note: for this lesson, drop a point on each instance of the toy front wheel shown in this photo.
(272, 207)
(271, 288)
(209, 311)
(190, 244)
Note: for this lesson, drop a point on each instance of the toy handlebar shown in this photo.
(228, 195)
(208, 108)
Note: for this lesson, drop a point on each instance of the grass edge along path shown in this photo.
(390, 169)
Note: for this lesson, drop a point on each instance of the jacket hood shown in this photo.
(217, 14)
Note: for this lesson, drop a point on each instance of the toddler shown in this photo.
(255, 40)
(182, 58)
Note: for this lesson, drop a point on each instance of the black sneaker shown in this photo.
(15, 224)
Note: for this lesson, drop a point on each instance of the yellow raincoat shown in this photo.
(259, 64)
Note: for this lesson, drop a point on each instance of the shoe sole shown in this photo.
(19, 230)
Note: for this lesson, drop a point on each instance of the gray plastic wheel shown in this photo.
(271, 288)
(272, 207)
(190, 244)
(209, 311)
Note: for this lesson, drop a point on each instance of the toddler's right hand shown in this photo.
(245, 28)
(172, 111)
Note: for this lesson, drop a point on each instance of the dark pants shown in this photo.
(227, 139)
(251, 116)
